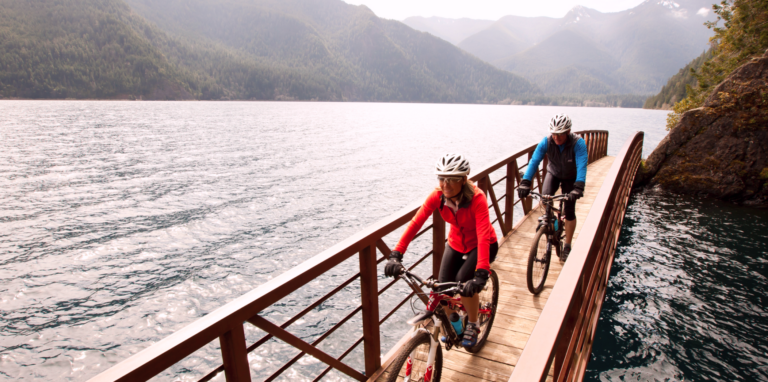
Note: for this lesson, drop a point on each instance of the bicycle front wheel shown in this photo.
(411, 361)
(489, 302)
(538, 262)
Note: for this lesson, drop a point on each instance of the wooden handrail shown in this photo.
(226, 322)
(564, 332)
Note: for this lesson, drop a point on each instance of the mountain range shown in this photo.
(234, 49)
(586, 51)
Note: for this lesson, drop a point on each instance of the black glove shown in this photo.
(474, 286)
(577, 192)
(524, 188)
(394, 266)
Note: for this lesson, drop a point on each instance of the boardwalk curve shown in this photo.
(519, 309)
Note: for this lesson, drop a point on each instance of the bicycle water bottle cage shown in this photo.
(417, 319)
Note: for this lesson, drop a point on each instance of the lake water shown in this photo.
(688, 295)
(121, 222)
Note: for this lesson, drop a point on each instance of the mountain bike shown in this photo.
(421, 358)
(549, 235)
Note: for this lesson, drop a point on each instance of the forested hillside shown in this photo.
(79, 48)
(676, 88)
(208, 49)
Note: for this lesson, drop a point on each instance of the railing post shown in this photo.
(595, 146)
(235, 355)
(509, 209)
(491, 194)
(483, 184)
(528, 202)
(438, 242)
(369, 293)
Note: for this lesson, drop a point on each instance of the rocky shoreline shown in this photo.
(721, 148)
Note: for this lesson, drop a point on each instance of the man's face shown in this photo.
(559, 138)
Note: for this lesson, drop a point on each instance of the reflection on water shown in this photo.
(688, 294)
(122, 222)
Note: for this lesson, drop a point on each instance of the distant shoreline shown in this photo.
(513, 103)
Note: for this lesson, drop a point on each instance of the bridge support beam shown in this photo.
(438, 242)
(235, 355)
(369, 291)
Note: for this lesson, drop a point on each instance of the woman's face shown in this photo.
(451, 185)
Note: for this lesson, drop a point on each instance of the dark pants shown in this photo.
(552, 183)
(454, 268)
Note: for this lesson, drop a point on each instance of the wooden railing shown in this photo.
(561, 341)
(226, 323)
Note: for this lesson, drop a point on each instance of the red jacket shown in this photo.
(470, 225)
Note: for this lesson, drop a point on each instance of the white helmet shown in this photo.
(452, 165)
(559, 124)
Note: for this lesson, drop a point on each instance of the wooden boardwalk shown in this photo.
(519, 309)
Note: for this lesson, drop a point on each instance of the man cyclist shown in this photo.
(567, 168)
(472, 243)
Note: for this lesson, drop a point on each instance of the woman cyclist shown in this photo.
(472, 244)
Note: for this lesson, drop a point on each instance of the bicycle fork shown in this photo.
(433, 344)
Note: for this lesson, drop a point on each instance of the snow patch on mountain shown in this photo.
(669, 4)
(576, 14)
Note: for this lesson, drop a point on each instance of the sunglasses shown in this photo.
(449, 179)
(559, 135)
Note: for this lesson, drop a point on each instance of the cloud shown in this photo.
(703, 12)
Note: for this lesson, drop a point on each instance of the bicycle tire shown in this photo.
(538, 262)
(421, 343)
(489, 297)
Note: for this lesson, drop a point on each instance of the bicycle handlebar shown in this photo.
(550, 197)
(454, 286)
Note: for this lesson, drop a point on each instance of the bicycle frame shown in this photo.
(432, 302)
(436, 305)
(548, 219)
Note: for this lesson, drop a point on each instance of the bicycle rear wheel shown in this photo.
(489, 301)
(538, 262)
(412, 361)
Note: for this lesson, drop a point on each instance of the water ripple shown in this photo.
(687, 296)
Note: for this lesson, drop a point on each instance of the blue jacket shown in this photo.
(579, 149)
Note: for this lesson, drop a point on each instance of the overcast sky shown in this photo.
(486, 9)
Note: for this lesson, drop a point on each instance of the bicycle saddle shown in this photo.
(417, 319)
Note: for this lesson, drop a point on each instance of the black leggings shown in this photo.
(454, 268)
(551, 184)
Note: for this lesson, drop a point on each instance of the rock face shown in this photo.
(720, 149)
